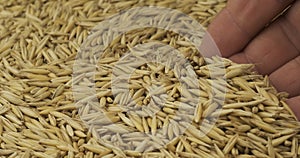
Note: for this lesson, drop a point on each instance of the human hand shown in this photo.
(240, 33)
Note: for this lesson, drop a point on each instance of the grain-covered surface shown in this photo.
(39, 41)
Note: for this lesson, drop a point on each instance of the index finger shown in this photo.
(241, 20)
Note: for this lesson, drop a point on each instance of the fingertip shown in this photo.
(227, 34)
(208, 47)
(294, 104)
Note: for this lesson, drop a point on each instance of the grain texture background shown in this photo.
(39, 41)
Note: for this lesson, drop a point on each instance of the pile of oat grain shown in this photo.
(39, 41)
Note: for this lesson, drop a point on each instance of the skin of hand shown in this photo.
(245, 32)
